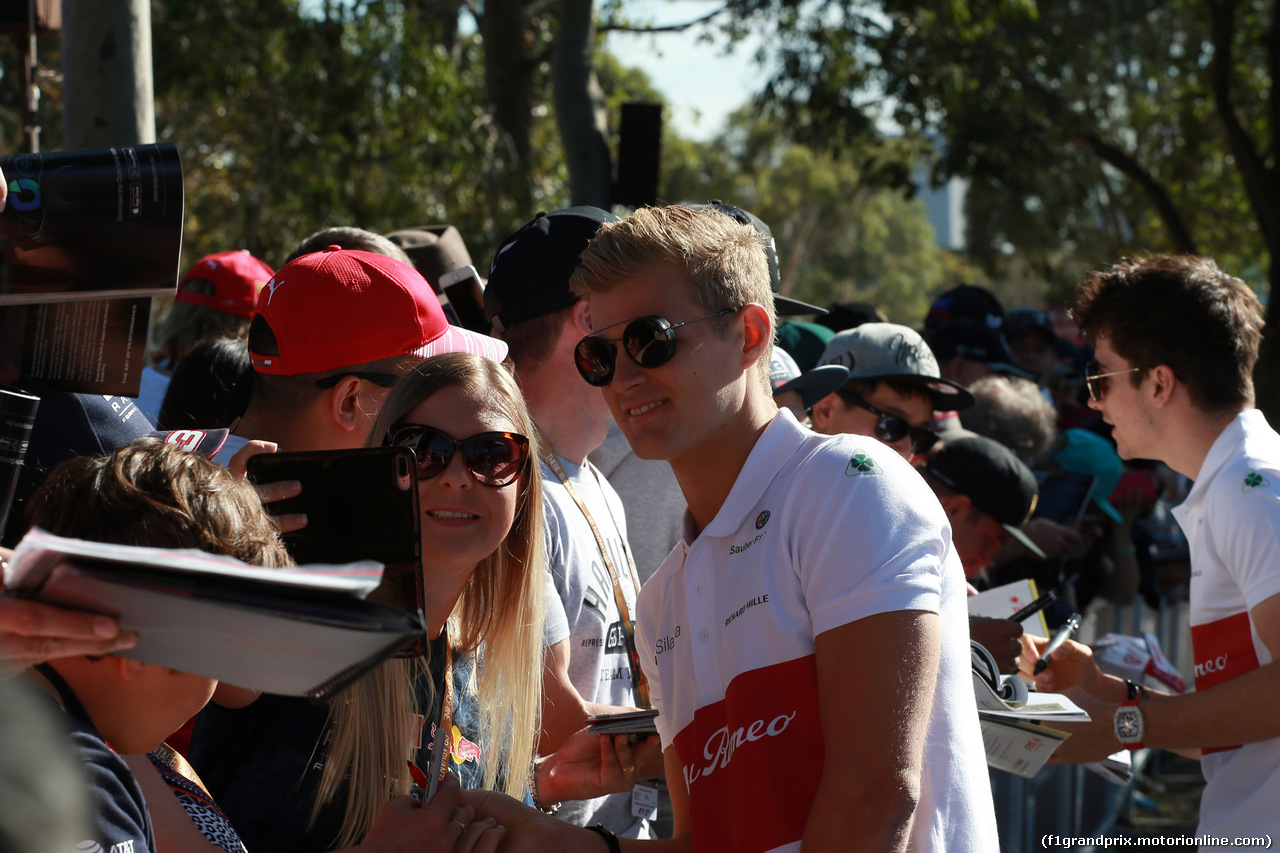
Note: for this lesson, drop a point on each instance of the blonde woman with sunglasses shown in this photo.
(316, 778)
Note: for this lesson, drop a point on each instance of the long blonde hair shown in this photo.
(501, 608)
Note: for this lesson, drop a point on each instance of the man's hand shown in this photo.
(1000, 637)
(1091, 741)
(1071, 667)
(526, 829)
(592, 765)
(269, 492)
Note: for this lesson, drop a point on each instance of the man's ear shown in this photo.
(1163, 383)
(757, 332)
(580, 320)
(820, 414)
(345, 406)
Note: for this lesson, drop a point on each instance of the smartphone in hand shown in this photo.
(361, 504)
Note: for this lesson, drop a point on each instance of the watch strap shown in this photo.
(609, 838)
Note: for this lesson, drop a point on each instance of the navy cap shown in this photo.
(69, 425)
(1024, 322)
(972, 340)
(966, 301)
(206, 442)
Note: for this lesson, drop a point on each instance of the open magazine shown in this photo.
(304, 631)
(1016, 721)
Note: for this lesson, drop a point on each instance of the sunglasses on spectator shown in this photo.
(648, 341)
(1097, 382)
(385, 380)
(491, 458)
(892, 428)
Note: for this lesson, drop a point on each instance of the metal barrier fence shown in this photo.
(1070, 801)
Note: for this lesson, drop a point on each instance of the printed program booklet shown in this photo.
(1013, 717)
(94, 224)
(92, 347)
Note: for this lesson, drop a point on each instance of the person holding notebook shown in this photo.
(116, 709)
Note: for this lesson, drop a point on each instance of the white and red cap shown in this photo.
(341, 307)
(206, 442)
(236, 278)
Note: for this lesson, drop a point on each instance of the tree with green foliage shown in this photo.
(844, 225)
(289, 121)
(1089, 129)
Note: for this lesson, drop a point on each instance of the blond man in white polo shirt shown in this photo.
(807, 641)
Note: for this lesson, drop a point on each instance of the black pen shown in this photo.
(1035, 607)
(1058, 639)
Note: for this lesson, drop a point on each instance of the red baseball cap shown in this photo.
(236, 278)
(341, 307)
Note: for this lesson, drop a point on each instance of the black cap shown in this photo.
(530, 273)
(851, 315)
(785, 306)
(973, 340)
(966, 301)
(992, 477)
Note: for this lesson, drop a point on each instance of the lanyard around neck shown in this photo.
(638, 680)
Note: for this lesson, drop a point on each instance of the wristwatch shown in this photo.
(1130, 726)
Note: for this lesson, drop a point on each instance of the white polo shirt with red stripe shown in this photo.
(1231, 519)
(817, 532)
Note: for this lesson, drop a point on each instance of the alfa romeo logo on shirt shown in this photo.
(1253, 480)
(762, 519)
(861, 464)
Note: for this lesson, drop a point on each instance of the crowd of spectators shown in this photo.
(548, 508)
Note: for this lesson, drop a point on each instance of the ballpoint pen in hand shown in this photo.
(1058, 638)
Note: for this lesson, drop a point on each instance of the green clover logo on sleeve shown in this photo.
(1253, 480)
(861, 464)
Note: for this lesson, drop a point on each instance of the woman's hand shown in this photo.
(445, 825)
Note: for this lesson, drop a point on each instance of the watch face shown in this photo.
(1128, 724)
